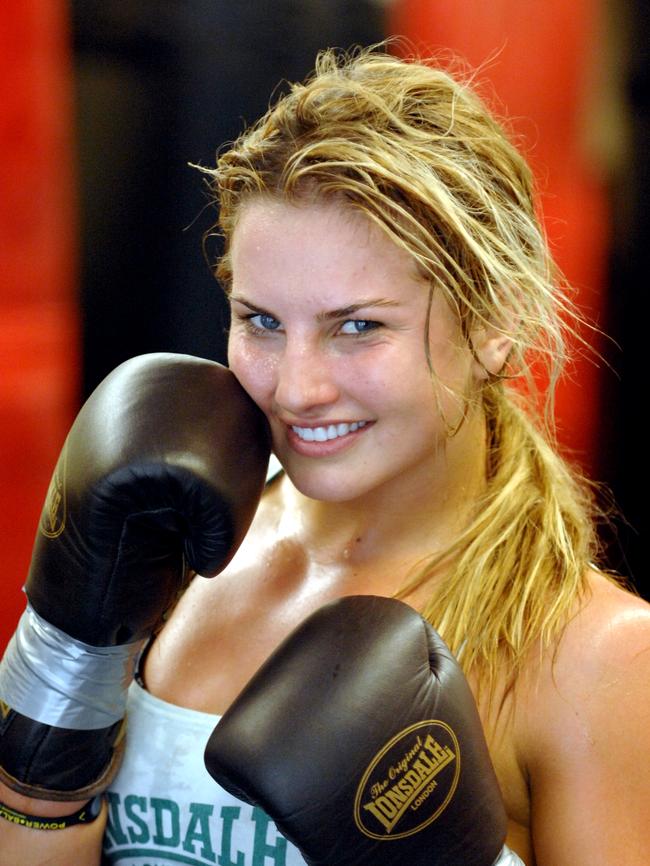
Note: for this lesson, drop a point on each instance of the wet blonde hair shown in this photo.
(415, 149)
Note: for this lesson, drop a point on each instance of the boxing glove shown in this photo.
(360, 737)
(159, 477)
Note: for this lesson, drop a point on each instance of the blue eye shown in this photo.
(264, 322)
(358, 326)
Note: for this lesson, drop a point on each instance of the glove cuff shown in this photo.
(54, 770)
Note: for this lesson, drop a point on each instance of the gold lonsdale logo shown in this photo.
(409, 782)
(54, 511)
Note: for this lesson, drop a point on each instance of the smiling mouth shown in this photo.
(325, 434)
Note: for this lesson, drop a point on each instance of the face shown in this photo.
(327, 336)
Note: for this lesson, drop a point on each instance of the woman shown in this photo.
(389, 284)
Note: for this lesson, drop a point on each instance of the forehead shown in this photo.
(306, 244)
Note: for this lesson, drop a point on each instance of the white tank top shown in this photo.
(164, 807)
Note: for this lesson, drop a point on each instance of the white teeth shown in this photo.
(323, 434)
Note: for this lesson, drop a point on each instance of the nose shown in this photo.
(305, 381)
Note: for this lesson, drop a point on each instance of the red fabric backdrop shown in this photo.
(38, 320)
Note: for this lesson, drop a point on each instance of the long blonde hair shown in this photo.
(415, 149)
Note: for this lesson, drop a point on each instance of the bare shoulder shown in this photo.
(607, 639)
(585, 736)
(600, 664)
(610, 612)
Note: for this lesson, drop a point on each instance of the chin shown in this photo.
(328, 484)
(317, 489)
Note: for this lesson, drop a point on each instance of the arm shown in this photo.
(160, 476)
(42, 848)
(589, 750)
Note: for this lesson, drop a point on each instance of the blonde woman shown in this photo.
(389, 287)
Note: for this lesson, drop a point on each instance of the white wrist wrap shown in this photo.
(57, 680)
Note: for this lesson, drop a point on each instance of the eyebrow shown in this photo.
(340, 313)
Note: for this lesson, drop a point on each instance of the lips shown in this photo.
(325, 440)
(326, 433)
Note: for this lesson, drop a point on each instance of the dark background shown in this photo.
(160, 85)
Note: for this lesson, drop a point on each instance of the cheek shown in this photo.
(254, 370)
(451, 361)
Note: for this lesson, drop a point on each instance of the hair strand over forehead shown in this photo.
(420, 155)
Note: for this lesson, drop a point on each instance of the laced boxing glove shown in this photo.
(160, 476)
(361, 739)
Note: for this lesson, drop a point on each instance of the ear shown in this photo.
(491, 347)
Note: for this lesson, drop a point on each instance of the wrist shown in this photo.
(52, 816)
(36, 806)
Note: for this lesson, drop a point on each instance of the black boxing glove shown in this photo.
(360, 737)
(159, 477)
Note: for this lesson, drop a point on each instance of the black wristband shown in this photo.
(86, 815)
